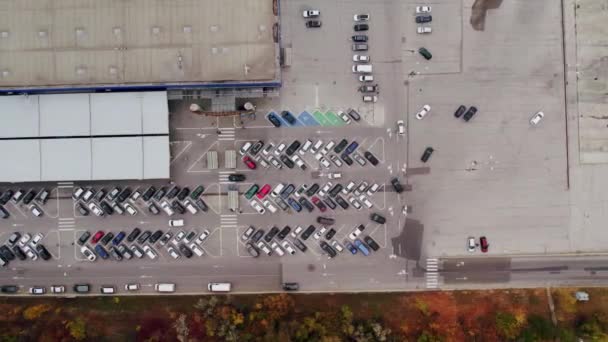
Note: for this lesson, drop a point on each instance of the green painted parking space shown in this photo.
(334, 119)
(321, 118)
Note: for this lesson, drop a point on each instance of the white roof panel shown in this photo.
(65, 115)
(116, 114)
(19, 116)
(155, 109)
(117, 158)
(156, 157)
(65, 159)
(21, 160)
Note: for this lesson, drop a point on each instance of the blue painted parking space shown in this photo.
(308, 119)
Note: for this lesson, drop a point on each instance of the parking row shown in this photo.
(23, 247)
(33, 199)
(317, 118)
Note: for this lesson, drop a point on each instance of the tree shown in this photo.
(538, 329)
(77, 328)
(428, 337)
(33, 312)
(592, 329)
(181, 328)
(507, 325)
(278, 306)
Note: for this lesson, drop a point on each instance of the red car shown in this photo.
(97, 236)
(249, 162)
(483, 242)
(263, 191)
(318, 203)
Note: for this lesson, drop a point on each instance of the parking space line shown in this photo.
(189, 170)
(18, 209)
(188, 145)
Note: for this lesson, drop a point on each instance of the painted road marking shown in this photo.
(334, 119)
(321, 118)
(308, 119)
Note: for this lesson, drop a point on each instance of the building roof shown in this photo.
(67, 43)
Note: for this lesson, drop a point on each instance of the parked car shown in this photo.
(423, 112)
(360, 58)
(424, 29)
(396, 185)
(461, 109)
(483, 243)
(288, 116)
(361, 17)
(537, 118)
(361, 27)
(425, 53)
(420, 19)
(377, 218)
(311, 13)
(274, 120)
(313, 23)
(469, 114)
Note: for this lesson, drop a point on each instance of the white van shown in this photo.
(108, 289)
(219, 287)
(362, 68)
(164, 287)
(277, 190)
(176, 223)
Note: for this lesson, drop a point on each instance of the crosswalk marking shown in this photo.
(227, 134)
(432, 273)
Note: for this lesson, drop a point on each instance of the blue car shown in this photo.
(351, 148)
(118, 238)
(294, 204)
(274, 120)
(351, 248)
(289, 117)
(101, 252)
(362, 247)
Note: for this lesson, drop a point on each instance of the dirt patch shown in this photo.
(479, 11)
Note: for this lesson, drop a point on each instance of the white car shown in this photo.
(36, 240)
(173, 253)
(337, 246)
(471, 245)
(423, 112)
(258, 207)
(335, 175)
(361, 17)
(88, 253)
(150, 252)
(178, 238)
(261, 245)
(277, 248)
(263, 162)
(361, 58)
(190, 207)
(401, 127)
(334, 159)
(316, 147)
(30, 253)
(344, 117)
(361, 188)
(57, 289)
(299, 162)
(328, 147)
(176, 223)
(280, 149)
(355, 203)
(318, 156)
(355, 233)
(349, 187)
(24, 239)
(267, 149)
(311, 13)
(305, 147)
(297, 231)
(132, 287)
(95, 209)
(325, 163)
(423, 9)
(196, 249)
(320, 232)
(203, 236)
(245, 148)
(129, 208)
(275, 162)
(370, 98)
(325, 189)
(247, 233)
(536, 118)
(365, 201)
(373, 189)
(37, 290)
(270, 206)
(366, 78)
(424, 29)
(288, 247)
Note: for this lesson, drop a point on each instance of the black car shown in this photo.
(424, 19)
(281, 203)
(133, 235)
(115, 253)
(348, 160)
(293, 148)
(197, 192)
(9, 289)
(335, 190)
(359, 38)
(301, 246)
(469, 114)
(144, 236)
(396, 185)
(3, 261)
(327, 221)
(7, 196)
(7, 253)
(271, 234)
(274, 120)
(291, 286)
(361, 27)
(173, 192)
(341, 202)
(427, 154)
(425, 53)
(185, 251)
(178, 207)
(202, 205)
(257, 236)
(19, 253)
(126, 193)
(371, 242)
(84, 211)
(252, 250)
(106, 208)
(157, 235)
(115, 192)
(148, 193)
(306, 204)
(371, 158)
(328, 249)
(308, 232)
(312, 190)
(256, 147)
(313, 23)
(160, 194)
(353, 114)
(288, 117)
(82, 288)
(288, 162)
(107, 238)
(3, 213)
(27, 199)
(458, 113)
(100, 194)
(183, 194)
(330, 234)
(289, 189)
(43, 252)
(341, 146)
(377, 218)
(84, 238)
(236, 177)
(330, 203)
(284, 232)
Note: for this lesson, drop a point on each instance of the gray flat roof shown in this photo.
(21, 161)
(65, 159)
(66, 43)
